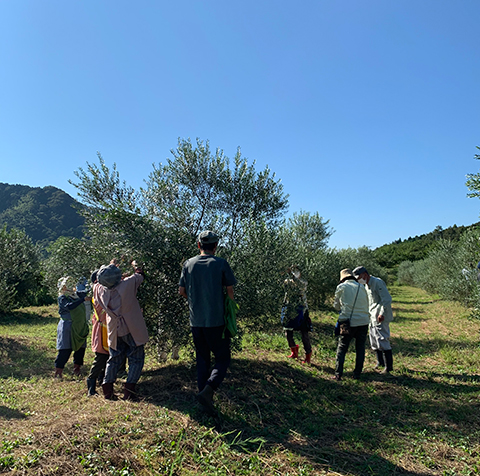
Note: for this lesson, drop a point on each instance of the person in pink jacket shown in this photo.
(127, 331)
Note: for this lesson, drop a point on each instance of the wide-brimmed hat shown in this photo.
(207, 237)
(346, 273)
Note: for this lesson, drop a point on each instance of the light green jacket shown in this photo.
(345, 303)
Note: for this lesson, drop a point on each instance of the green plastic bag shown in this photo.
(231, 309)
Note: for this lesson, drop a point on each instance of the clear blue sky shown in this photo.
(368, 111)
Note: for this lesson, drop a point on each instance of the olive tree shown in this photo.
(197, 190)
(473, 181)
(20, 276)
(158, 225)
(309, 234)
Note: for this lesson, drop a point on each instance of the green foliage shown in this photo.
(309, 232)
(19, 270)
(449, 269)
(43, 213)
(473, 181)
(406, 273)
(100, 188)
(70, 257)
(158, 227)
(363, 256)
(196, 190)
(260, 265)
(308, 235)
(417, 248)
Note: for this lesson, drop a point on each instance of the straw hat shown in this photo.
(346, 273)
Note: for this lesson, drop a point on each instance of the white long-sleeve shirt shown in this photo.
(379, 299)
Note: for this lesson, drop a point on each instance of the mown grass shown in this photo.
(277, 417)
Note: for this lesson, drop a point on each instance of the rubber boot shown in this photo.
(308, 358)
(129, 392)
(91, 387)
(58, 373)
(380, 360)
(389, 362)
(108, 391)
(205, 398)
(294, 354)
(76, 370)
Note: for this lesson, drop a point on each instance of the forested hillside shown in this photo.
(43, 213)
(418, 247)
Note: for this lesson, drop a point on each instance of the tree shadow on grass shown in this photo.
(427, 345)
(417, 303)
(10, 414)
(21, 358)
(27, 318)
(400, 310)
(341, 426)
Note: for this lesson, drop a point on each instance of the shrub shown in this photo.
(20, 276)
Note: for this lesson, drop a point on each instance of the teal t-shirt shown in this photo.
(204, 278)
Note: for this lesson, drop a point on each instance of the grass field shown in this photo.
(277, 417)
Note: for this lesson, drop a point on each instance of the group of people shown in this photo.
(365, 307)
(119, 332)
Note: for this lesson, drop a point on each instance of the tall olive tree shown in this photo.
(309, 234)
(197, 189)
(158, 226)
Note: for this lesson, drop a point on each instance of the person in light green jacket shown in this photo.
(352, 302)
(381, 314)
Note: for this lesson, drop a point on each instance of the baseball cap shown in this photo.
(207, 237)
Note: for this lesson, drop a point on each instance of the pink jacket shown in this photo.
(123, 310)
(99, 329)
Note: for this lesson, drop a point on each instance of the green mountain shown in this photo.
(417, 248)
(43, 213)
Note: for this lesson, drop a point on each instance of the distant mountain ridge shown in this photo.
(44, 214)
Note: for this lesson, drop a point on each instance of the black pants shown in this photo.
(358, 333)
(209, 340)
(305, 340)
(64, 354)
(98, 367)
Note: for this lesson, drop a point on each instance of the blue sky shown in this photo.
(368, 111)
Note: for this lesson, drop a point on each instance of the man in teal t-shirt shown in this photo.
(202, 282)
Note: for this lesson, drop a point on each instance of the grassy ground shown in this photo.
(278, 417)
